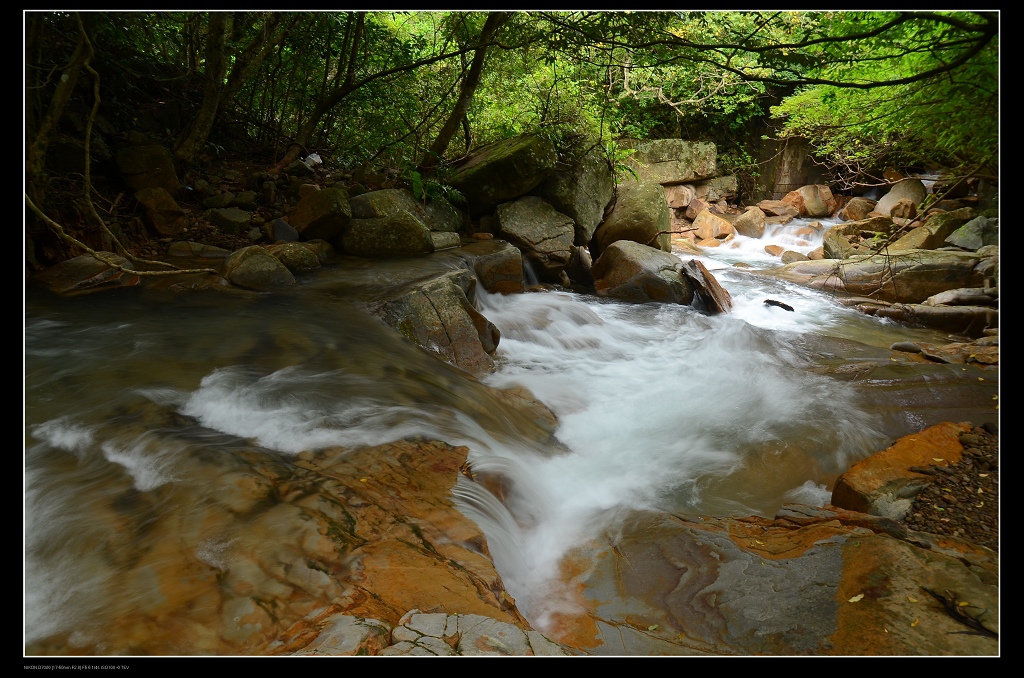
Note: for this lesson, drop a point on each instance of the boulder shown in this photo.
(679, 195)
(385, 202)
(162, 212)
(751, 223)
(257, 269)
(967, 321)
(884, 484)
(444, 240)
(640, 214)
(717, 189)
(695, 207)
(230, 220)
(975, 234)
(442, 216)
(398, 234)
(86, 273)
(813, 581)
(498, 266)
(438, 316)
(297, 257)
(582, 191)
(934, 231)
(504, 171)
(322, 215)
(908, 277)
(778, 208)
(670, 161)
(633, 272)
(857, 208)
(707, 226)
(282, 230)
(815, 200)
(544, 235)
(911, 189)
(712, 297)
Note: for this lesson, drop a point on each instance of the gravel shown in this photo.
(963, 498)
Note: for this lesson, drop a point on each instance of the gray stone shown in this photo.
(633, 272)
(504, 171)
(976, 233)
(640, 214)
(255, 268)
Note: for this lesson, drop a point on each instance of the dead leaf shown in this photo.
(937, 459)
(915, 623)
(856, 598)
(652, 627)
(912, 599)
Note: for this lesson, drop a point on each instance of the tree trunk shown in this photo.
(217, 94)
(216, 68)
(336, 95)
(35, 159)
(469, 84)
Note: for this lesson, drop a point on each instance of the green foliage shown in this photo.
(617, 158)
(426, 189)
(567, 75)
(949, 119)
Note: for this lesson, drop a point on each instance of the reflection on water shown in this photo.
(658, 407)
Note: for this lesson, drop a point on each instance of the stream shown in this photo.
(659, 407)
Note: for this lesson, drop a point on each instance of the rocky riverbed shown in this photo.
(963, 498)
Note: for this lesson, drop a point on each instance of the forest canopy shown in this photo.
(416, 91)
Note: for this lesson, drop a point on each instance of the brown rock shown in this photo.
(884, 485)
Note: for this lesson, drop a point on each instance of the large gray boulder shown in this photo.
(398, 234)
(322, 215)
(633, 272)
(935, 230)
(437, 213)
(640, 214)
(385, 202)
(975, 234)
(544, 234)
(717, 188)
(257, 269)
(504, 171)
(582, 192)
(671, 161)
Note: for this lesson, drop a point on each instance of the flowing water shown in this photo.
(659, 407)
